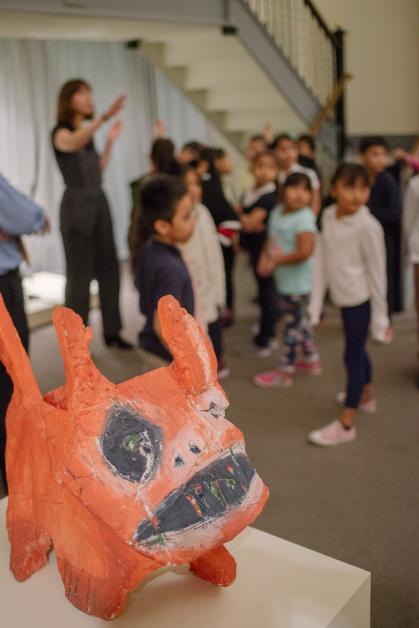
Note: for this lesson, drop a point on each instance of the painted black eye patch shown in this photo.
(131, 444)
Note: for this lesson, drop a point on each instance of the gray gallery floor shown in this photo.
(358, 503)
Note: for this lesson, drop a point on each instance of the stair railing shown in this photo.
(314, 51)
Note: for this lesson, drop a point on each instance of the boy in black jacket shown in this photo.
(166, 219)
(257, 206)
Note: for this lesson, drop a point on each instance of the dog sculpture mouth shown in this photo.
(208, 495)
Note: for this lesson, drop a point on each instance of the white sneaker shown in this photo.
(332, 434)
(368, 407)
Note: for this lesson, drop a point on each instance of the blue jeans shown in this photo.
(356, 322)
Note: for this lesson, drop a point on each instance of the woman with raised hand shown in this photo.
(85, 217)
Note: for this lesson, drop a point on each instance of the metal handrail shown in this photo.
(312, 49)
(316, 14)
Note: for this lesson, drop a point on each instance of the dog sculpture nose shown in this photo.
(188, 452)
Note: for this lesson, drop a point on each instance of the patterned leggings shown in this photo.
(298, 332)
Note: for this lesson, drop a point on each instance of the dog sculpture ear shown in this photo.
(15, 358)
(193, 356)
(85, 384)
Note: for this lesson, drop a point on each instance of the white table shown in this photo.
(279, 585)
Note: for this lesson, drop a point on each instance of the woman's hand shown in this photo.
(116, 107)
(115, 131)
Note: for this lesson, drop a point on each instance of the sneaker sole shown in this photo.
(283, 384)
(245, 355)
(314, 441)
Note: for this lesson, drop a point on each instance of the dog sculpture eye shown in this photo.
(131, 444)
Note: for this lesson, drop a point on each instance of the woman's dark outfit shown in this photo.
(86, 230)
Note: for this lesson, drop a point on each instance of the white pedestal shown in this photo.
(279, 585)
(43, 291)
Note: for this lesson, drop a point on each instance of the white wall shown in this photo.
(383, 56)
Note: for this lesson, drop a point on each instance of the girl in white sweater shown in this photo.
(203, 257)
(350, 260)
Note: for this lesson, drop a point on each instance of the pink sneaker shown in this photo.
(332, 434)
(223, 371)
(273, 379)
(308, 368)
(368, 407)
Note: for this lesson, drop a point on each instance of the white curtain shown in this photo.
(31, 73)
(181, 116)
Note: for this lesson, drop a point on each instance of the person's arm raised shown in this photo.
(68, 141)
(113, 134)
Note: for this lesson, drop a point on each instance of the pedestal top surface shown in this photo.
(279, 585)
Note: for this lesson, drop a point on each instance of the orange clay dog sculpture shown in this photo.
(124, 479)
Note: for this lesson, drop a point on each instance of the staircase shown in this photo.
(272, 62)
(243, 63)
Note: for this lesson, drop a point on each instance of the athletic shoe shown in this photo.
(369, 407)
(118, 342)
(273, 379)
(308, 368)
(255, 351)
(332, 434)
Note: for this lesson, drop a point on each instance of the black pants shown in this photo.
(356, 322)
(393, 262)
(215, 332)
(11, 291)
(93, 256)
(268, 303)
(229, 257)
(416, 279)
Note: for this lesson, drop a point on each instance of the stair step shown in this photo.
(245, 98)
(253, 121)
